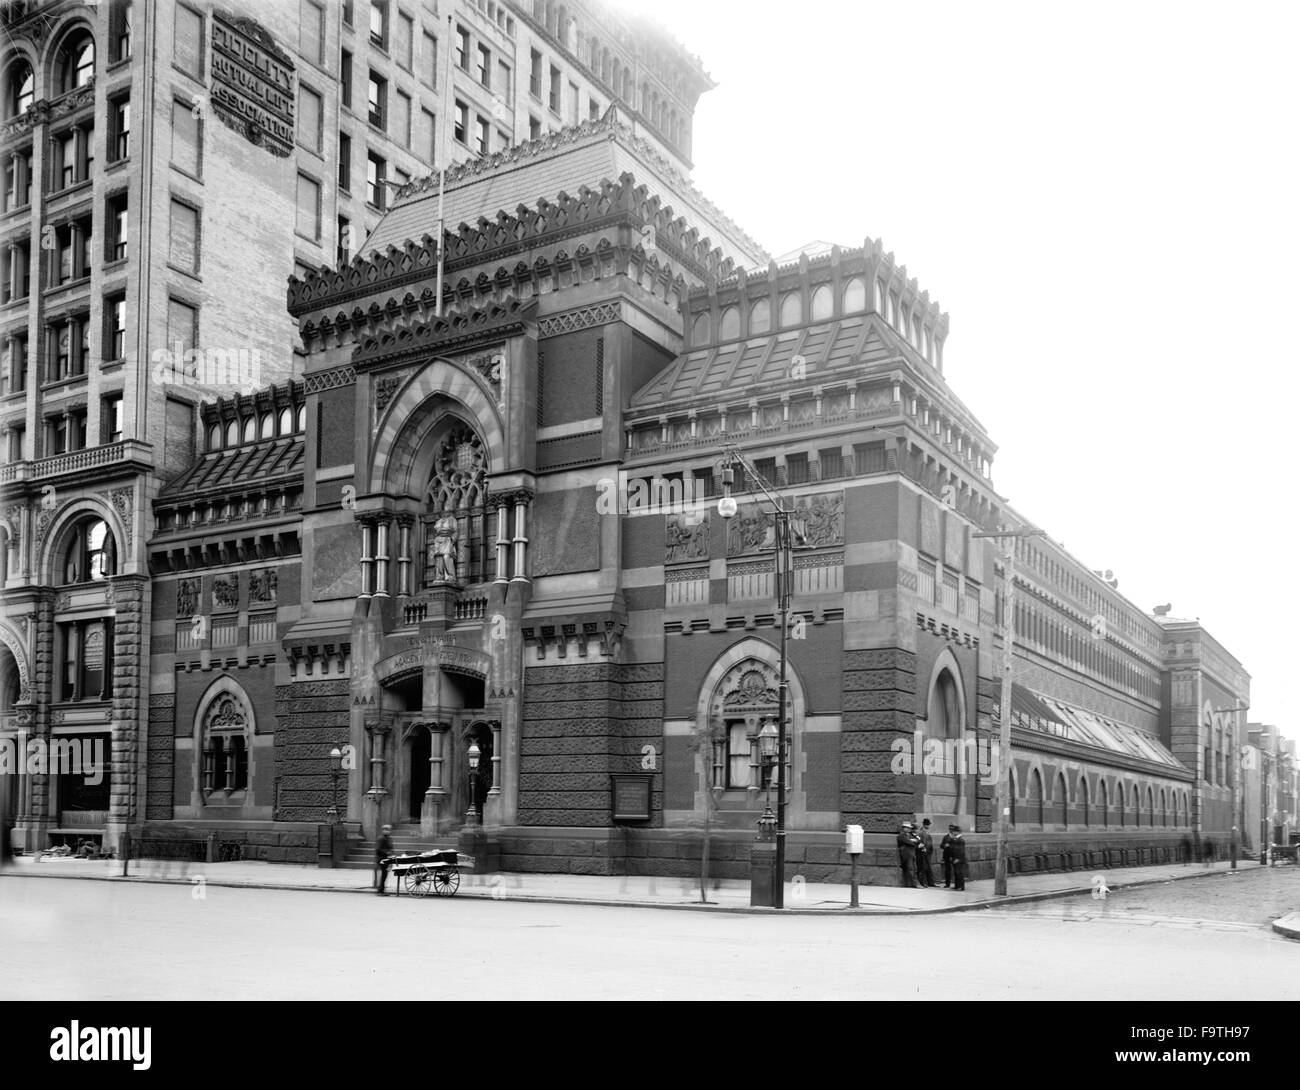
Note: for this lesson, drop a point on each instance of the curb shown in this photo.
(1288, 926)
(1291, 922)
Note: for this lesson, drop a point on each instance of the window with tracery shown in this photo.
(226, 728)
(745, 698)
(459, 530)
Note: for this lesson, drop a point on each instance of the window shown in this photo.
(461, 131)
(110, 429)
(118, 237)
(1035, 799)
(343, 254)
(401, 127)
(15, 364)
(593, 110)
(403, 45)
(18, 179)
(925, 579)
(119, 29)
(505, 81)
(115, 327)
(18, 443)
(950, 588)
(345, 77)
(535, 76)
(823, 304)
(187, 138)
(347, 12)
(17, 276)
(428, 59)
(227, 722)
(572, 117)
(462, 48)
(556, 83)
(376, 173)
(91, 553)
(119, 136)
(20, 87)
(832, 463)
(796, 469)
(182, 326)
(86, 652)
(760, 317)
(187, 42)
(485, 66)
(183, 244)
(534, 128)
(311, 31)
(308, 223)
(791, 310)
(484, 136)
(377, 100)
(345, 161)
(76, 62)
(309, 118)
(379, 23)
(73, 155)
(428, 139)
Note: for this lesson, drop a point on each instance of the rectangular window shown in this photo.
(345, 161)
(925, 571)
(428, 59)
(832, 463)
(403, 44)
(556, 83)
(870, 457)
(796, 468)
(485, 66)
(971, 604)
(461, 131)
(376, 174)
(56, 437)
(308, 224)
(534, 128)
(345, 77)
(462, 48)
(950, 589)
(16, 281)
(379, 23)
(311, 31)
(110, 427)
(187, 138)
(119, 29)
(309, 119)
(343, 254)
(182, 326)
(484, 136)
(18, 180)
(115, 327)
(16, 365)
(377, 100)
(428, 145)
(505, 81)
(535, 75)
(18, 443)
(119, 136)
(593, 110)
(187, 42)
(347, 12)
(401, 127)
(573, 104)
(183, 243)
(118, 232)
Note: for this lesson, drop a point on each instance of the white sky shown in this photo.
(1104, 198)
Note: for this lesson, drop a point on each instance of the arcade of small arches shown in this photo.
(1100, 802)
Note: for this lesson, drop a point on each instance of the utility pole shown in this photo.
(1239, 709)
(1002, 797)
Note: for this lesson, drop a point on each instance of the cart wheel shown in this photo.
(418, 881)
(446, 881)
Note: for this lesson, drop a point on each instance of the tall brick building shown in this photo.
(167, 166)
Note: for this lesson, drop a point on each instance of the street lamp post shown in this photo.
(1002, 797)
(473, 817)
(336, 770)
(767, 740)
(727, 508)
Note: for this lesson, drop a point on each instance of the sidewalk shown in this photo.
(638, 891)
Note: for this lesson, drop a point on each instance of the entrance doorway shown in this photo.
(420, 755)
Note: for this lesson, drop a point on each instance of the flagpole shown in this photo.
(448, 104)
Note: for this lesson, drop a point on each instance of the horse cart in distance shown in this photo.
(423, 873)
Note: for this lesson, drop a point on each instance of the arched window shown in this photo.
(1012, 791)
(91, 553)
(944, 715)
(729, 327)
(791, 310)
(1164, 808)
(1061, 802)
(1035, 799)
(20, 87)
(1085, 800)
(1104, 803)
(232, 433)
(10, 681)
(1119, 798)
(743, 700)
(1151, 808)
(285, 421)
(226, 731)
(760, 317)
(878, 297)
(268, 426)
(75, 62)
(701, 332)
(855, 295)
(214, 437)
(300, 423)
(823, 304)
(459, 531)
(250, 429)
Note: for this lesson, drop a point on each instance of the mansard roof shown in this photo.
(610, 203)
(241, 468)
(572, 157)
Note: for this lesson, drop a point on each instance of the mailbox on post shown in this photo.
(853, 845)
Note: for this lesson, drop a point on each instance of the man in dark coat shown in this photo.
(925, 853)
(957, 852)
(908, 842)
(945, 851)
(383, 850)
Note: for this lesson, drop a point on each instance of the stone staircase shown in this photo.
(405, 838)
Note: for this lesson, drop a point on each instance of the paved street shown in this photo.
(101, 940)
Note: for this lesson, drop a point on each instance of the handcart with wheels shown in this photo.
(422, 873)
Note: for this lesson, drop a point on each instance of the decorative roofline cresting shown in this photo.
(463, 327)
(621, 202)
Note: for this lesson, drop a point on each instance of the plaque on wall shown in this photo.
(631, 791)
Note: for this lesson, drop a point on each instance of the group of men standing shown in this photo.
(915, 850)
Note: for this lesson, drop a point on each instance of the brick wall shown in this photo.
(162, 757)
(879, 703)
(311, 717)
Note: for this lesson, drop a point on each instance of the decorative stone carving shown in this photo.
(442, 550)
(686, 538)
(489, 365)
(225, 591)
(187, 597)
(823, 519)
(385, 388)
(123, 501)
(262, 585)
(752, 530)
(574, 320)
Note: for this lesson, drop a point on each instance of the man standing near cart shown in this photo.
(383, 851)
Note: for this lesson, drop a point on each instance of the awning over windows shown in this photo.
(241, 467)
(1047, 715)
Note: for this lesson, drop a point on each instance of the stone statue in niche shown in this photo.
(442, 550)
(187, 598)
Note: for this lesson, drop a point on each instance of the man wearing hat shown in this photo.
(957, 851)
(924, 853)
(383, 849)
(908, 842)
(945, 854)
